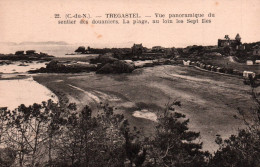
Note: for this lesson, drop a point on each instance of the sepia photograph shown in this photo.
(120, 83)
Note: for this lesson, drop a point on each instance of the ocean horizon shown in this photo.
(53, 50)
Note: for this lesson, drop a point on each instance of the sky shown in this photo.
(33, 20)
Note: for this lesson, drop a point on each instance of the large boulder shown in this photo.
(104, 59)
(106, 69)
(122, 67)
(83, 67)
(117, 66)
(21, 52)
(29, 52)
(54, 65)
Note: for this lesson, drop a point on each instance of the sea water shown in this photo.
(14, 92)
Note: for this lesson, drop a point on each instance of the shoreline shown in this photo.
(142, 94)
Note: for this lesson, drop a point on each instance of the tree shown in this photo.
(242, 149)
(134, 150)
(173, 144)
(92, 141)
(53, 134)
(29, 129)
(239, 150)
(227, 50)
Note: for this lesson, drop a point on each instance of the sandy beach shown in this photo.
(209, 100)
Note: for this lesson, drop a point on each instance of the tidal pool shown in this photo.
(20, 67)
(14, 92)
(145, 114)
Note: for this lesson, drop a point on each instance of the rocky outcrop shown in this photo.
(104, 59)
(118, 66)
(57, 67)
(81, 50)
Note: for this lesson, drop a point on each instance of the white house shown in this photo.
(246, 74)
(249, 62)
(186, 63)
(257, 62)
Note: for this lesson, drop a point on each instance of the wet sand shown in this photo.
(209, 100)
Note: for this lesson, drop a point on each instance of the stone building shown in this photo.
(137, 49)
(233, 43)
(256, 50)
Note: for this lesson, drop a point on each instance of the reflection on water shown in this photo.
(23, 91)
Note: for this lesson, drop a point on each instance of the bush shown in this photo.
(239, 151)
(7, 157)
(228, 70)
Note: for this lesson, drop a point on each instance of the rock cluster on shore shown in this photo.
(28, 55)
(58, 67)
(118, 66)
(103, 64)
(108, 64)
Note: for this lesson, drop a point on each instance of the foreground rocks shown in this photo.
(103, 64)
(107, 63)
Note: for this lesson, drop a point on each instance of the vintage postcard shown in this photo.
(91, 83)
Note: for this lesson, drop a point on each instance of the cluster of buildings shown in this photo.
(233, 43)
(139, 51)
(236, 44)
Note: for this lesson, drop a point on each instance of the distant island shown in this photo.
(26, 55)
(44, 43)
